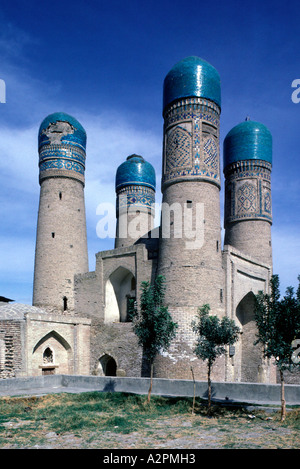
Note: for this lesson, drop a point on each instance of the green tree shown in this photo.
(278, 324)
(152, 322)
(212, 335)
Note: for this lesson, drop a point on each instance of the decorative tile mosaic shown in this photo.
(248, 191)
(211, 155)
(63, 165)
(135, 195)
(54, 151)
(178, 149)
(246, 198)
(267, 202)
(191, 153)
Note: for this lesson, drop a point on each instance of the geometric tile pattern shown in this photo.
(136, 195)
(210, 149)
(63, 165)
(63, 156)
(189, 150)
(178, 152)
(246, 197)
(267, 202)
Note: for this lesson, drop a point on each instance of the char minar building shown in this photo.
(79, 320)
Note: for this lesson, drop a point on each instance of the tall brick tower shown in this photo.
(135, 193)
(190, 242)
(61, 244)
(248, 208)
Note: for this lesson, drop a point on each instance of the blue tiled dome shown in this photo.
(62, 144)
(248, 140)
(191, 77)
(73, 133)
(135, 171)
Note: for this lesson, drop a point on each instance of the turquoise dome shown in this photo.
(72, 133)
(192, 77)
(135, 171)
(248, 140)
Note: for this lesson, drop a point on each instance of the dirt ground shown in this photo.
(182, 432)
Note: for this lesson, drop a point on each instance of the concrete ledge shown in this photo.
(250, 393)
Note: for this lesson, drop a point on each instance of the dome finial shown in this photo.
(247, 118)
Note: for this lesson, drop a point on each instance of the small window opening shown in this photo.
(221, 295)
(60, 196)
(189, 203)
(65, 303)
(217, 246)
(48, 356)
(53, 235)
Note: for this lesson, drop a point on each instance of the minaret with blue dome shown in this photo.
(61, 244)
(135, 186)
(248, 207)
(190, 256)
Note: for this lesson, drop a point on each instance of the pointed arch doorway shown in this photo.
(251, 359)
(120, 289)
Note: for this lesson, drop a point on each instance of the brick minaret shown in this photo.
(135, 194)
(248, 208)
(61, 244)
(190, 243)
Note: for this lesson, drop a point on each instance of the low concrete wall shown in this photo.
(254, 393)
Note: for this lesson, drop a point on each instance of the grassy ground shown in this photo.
(117, 420)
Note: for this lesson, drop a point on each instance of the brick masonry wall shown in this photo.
(119, 342)
(11, 349)
(178, 360)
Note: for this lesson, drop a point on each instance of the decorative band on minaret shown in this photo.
(61, 244)
(248, 207)
(191, 111)
(62, 147)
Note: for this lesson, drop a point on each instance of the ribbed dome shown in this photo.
(191, 77)
(60, 127)
(248, 140)
(135, 171)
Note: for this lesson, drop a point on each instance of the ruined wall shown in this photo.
(12, 349)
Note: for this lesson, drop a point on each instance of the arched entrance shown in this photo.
(250, 354)
(120, 289)
(107, 366)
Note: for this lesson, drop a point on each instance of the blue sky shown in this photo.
(104, 63)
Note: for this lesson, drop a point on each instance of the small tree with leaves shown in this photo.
(152, 322)
(212, 335)
(278, 325)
